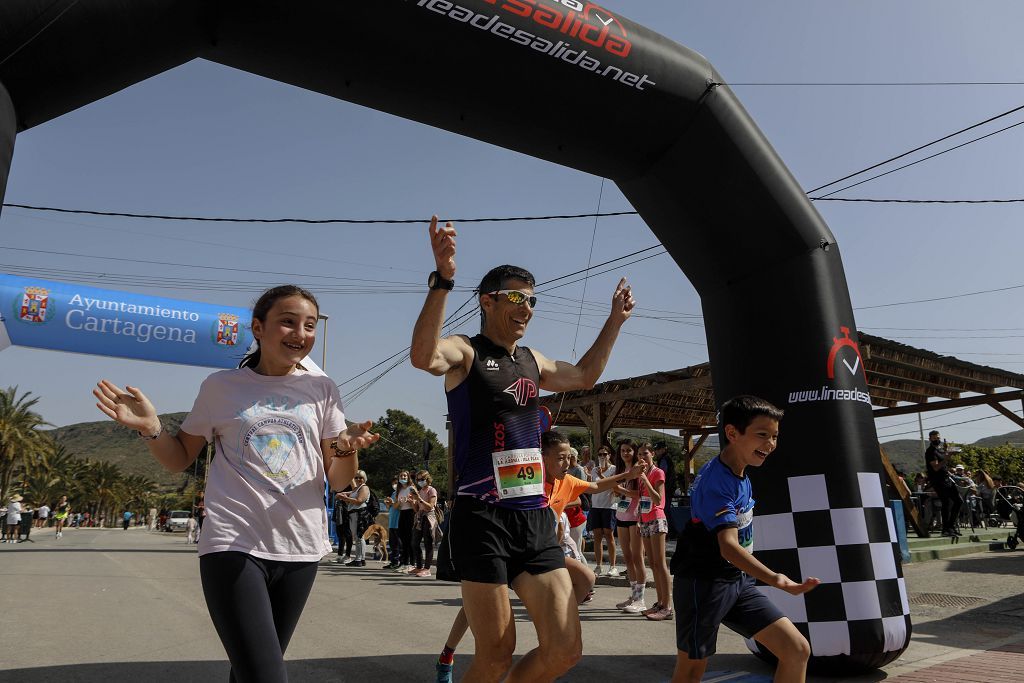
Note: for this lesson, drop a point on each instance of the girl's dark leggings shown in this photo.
(255, 605)
(405, 519)
(394, 546)
(423, 533)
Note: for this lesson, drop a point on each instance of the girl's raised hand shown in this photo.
(357, 436)
(128, 406)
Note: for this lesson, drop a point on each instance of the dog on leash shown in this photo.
(377, 535)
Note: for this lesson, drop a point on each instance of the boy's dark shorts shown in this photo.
(489, 544)
(601, 518)
(703, 604)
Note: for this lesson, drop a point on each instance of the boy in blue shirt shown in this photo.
(714, 569)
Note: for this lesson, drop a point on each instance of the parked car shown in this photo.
(177, 520)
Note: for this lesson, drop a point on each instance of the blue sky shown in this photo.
(203, 139)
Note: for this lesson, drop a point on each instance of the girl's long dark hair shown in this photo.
(263, 306)
(620, 464)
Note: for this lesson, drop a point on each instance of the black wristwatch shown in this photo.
(435, 281)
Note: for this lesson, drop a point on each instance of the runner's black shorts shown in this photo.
(702, 605)
(489, 544)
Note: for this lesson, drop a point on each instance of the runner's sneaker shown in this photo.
(613, 572)
(635, 607)
(661, 615)
(589, 597)
(624, 603)
(444, 672)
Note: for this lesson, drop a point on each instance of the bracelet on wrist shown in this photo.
(338, 453)
(155, 435)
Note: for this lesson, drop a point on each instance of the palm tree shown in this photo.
(104, 481)
(20, 440)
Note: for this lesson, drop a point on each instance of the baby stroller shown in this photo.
(1009, 508)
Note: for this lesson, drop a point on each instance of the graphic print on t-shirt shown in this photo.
(273, 443)
(274, 449)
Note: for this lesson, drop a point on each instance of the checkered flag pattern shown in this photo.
(843, 534)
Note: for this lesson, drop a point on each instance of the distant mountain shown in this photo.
(107, 441)
(908, 454)
(1015, 438)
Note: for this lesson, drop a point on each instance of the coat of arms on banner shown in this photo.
(227, 329)
(34, 304)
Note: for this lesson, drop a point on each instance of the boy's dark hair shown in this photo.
(496, 277)
(740, 411)
(552, 438)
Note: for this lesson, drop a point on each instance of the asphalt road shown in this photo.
(113, 605)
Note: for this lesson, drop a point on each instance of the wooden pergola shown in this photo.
(901, 379)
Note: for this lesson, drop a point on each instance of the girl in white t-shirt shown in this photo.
(279, 431)
(627, 520)
(406, 518)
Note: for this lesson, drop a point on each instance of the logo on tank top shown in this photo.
(491, 364)
(522, 390)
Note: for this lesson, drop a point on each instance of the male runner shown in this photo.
(500, 534)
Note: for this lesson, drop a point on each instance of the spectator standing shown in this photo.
(199, 509)
(341, 526)
(943, 485)
(601, 519)
(43, 512)
(126, 519)
(577, 510)
(626, 520)
(394, 537)
(663, 461)
(190, 529)
(13, 519)
(654, 532)
(424, 501)
(406, 517)
(354, 504)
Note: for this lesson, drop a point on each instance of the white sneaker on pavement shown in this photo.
(613, 571)
(635, 607)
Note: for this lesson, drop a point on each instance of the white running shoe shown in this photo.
(635, 607)
(628, 601)
(613, 572)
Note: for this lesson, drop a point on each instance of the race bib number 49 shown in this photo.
(518, 473)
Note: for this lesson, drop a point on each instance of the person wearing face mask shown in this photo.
(406, 517)
(424, 501)
(394, 537)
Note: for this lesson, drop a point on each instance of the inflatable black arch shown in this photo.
(573, 83)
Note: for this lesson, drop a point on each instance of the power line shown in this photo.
(939, 298)
(914, 163)
(947, 329)
(314, 221)
(916, 149)
(622, 265)
(191, 265)
(868, 200)
(951, 424)
(599, 265)
(944, 414)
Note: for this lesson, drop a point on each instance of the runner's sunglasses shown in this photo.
(516, 297)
